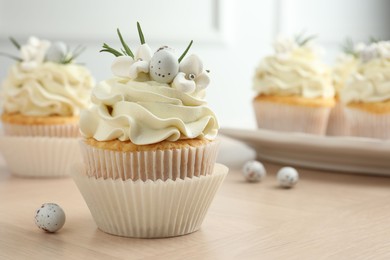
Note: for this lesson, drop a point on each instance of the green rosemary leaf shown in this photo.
(10, 56)
(307, 39)
(141, 35)
(185, 52)
(15, 43)
(374, 39)
(107, 48)
(125, 46)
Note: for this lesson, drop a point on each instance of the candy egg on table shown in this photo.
(254, 171)
(164, 66)
(50, 217)
(287, 177)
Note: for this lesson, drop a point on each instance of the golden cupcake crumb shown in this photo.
(297, 100)
(127, 146)
(375, 107)
(20, 119)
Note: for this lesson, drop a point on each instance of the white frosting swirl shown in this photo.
(345, 66)
(49, 89)
(371, 83)
(298, 72)
(145, 113)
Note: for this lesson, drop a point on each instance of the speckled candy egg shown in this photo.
(50, 217)
(163, 66)
(287, 177)
(254, 171)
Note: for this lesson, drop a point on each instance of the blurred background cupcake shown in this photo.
(42, 96)
(367, 94)
(346, 65)
(294, 88)
(149, 140)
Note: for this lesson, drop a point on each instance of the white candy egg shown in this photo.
(56, 52)
(50, 217)
(163, 66)
(254, 171)
(287, 177)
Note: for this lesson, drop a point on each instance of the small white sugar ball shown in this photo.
(287, 177)
(254, 171)
(50, 217)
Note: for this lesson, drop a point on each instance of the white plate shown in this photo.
(349, 154)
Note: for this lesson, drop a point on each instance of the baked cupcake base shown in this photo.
(161, 161)
(50, 126)
(369, 119)
(292, 113)
(150, 209)
(39, 156)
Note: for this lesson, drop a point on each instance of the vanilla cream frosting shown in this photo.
(296, 72)
(146, 112)
(371, 83)
(345, 66)
(48, 89)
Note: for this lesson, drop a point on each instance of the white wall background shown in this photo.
(230, 36)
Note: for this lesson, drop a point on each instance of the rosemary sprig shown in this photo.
(127, 50)
(111, 50)
(185, 52)
(349, 47)
(71, 56)
(141, 35)
(374, 39)
(15, 43)
(302, 40)
(10, 56)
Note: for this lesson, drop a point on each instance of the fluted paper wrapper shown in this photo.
(148, 209)
(367, 124)
(291, 118)
(338, 123)
(40, 156)
(68, 130)
(151, 165)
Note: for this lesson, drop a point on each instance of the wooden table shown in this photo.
(327, 215)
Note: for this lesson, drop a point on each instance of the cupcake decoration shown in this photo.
(36, 52)
(42, 96)
(184, 74)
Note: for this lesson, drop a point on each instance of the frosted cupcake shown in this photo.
(367, 95)
(148, 138)
(294, 89)
(42, 96)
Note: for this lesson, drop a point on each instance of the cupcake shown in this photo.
(367, 94)
(149, 145)
(294, 89)
(345, 66)
(42, 96)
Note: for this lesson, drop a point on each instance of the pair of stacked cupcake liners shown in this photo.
(158, 182)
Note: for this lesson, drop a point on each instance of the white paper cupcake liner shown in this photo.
(367, 124)
(291, 118)
(150, 209)
(151, 165)
(40, 156)
(68, 130)
(338, 123)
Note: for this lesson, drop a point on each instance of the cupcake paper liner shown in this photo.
(291, 118)
(337, 123)
(150, 209)
(150, 165)
(367, 124)
(68, 130)
(39, 156)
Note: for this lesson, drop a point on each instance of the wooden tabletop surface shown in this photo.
(327, 215)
